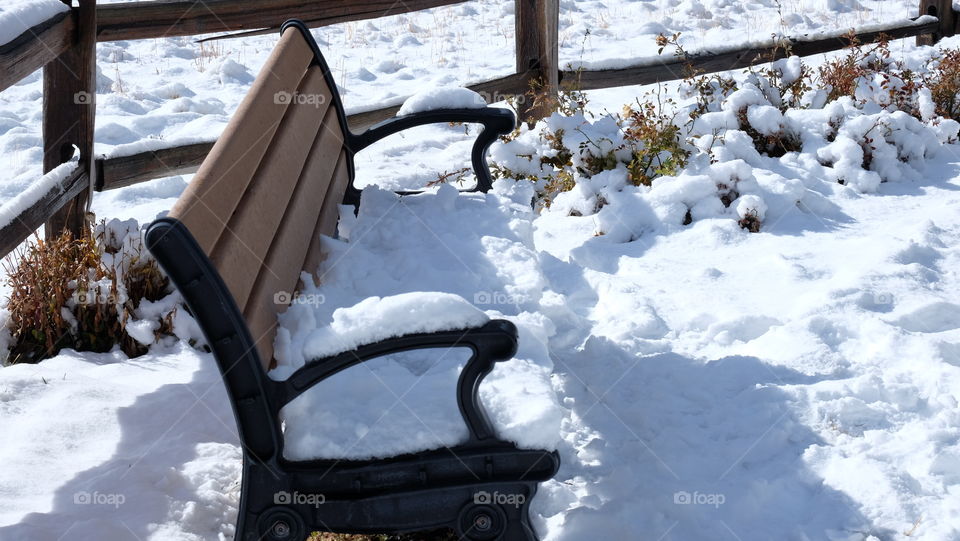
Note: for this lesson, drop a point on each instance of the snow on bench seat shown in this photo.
(437, 261)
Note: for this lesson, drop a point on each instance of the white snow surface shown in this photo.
(14, 207)
(119, 448)
(18, 16)
(797, 383)
(442, 98)
(499, 275)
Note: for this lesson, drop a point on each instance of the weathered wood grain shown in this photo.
(39, 45)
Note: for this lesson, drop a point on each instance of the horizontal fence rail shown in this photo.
(657, 70)
(36, 47)
(27, 222)
(67, 40)
(140, 20)
(121, 171)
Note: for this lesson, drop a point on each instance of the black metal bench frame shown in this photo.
(448, 487)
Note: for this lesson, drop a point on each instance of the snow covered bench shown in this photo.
(235, 244)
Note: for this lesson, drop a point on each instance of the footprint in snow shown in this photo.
(364, 75)
(876, 301)
(829, 333)
(936, 317)
(919, 254)
(742, 329)
(950, 353)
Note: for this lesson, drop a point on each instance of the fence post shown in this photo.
(943, 10)
(537, 24)
(69, 109)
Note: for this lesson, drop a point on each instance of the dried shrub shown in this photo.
(568, 101)
(944, 84)
(655, 141)
(898, 85)
(750, 222)
(786, 92)
(774, 145)
(79, 293)
(841, 75)
(40, 279)
(708, 91)
(558, 164)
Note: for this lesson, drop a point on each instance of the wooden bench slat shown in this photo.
(329, 213)
(226, 172)
(242, 249)
(297, 234)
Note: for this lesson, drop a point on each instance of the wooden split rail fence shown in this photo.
(65, 47)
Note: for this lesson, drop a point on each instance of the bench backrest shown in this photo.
(272, 184)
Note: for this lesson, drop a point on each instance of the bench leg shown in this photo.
(487, 513)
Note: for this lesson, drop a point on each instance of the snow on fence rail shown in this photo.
(140, 20)
(128, 168)
(65, 46)
(656, 70)
(24, 214)
(35, 47)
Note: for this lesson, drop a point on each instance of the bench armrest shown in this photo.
(492, 342)
(496, 121)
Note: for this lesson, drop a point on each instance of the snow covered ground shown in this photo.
(700, 382)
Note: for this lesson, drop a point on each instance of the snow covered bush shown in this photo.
(93, 293)
(857, 121)
(644, 142)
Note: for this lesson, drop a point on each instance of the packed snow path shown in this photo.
(797, 383)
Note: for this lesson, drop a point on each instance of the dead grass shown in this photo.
(944, 84)
(63, 296)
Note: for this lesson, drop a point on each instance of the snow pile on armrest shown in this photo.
(442, 98)
(407, 402)
(17, 16)
(375, 319)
